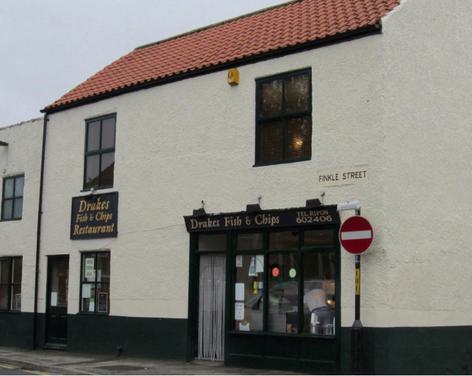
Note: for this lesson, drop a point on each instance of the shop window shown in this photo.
(283, 118)
(95, 282)
(319, 271)
(249, 293)
(10, 283)
(283, 240)
(100, 153)
(250, 241)
(212, 243)
(319, 238)
(283, 293)
(285, 282)
(12, 199)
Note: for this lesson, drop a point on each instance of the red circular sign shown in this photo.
(275, 272)
(356, 235)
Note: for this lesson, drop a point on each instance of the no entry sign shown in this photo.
(356, 235)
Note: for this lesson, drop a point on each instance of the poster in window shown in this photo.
(103, 302)
(252, 267)
(239, 311)
(54, 299)
(239, 291)
(86, 291)
(90, 269)
(259, 264)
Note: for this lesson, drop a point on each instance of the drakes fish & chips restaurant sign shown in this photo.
(324, 215)
(94, 216)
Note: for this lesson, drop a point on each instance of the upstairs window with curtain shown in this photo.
(100, 152)
(283, 118)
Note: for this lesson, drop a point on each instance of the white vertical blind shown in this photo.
(211, 307)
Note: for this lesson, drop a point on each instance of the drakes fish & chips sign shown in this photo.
(94, 216)
(323, 215)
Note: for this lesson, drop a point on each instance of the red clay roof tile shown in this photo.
(291, 24)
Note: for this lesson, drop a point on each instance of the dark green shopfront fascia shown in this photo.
(264, 288)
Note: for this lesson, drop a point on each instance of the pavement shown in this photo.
(15, 361)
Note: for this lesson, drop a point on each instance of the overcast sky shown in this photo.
(47, 47)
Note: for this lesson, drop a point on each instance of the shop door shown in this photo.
(56, 300)
(211, 307)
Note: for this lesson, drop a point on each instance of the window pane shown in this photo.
(17, 267)
(7, 211)
(93, 136)
(212, 242)
(271, 97)
(108, 133)
(18, 208)
(299, 137)
(283, 293)
(88, 267)
(319, 271)
(19, 183)
(297, 93)
(249, 241)
(3, 297)
(103, 292)
(88, 297)
(108, 164)
(285, 240)
(271, 142)
(319, 238)
(249, 293)
(16, 298)
(92, 171)
(103, 267)
(4, 271)
(8, 188)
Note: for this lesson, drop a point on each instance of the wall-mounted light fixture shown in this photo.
(201, 211)
(2, 143)
(251, 208)
(314, 203)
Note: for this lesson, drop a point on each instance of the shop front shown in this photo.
(265, 289)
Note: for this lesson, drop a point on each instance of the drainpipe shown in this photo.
(38, 235)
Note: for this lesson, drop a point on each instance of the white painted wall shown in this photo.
(394, 102)
(193, 140)
(18, 238)
(425, 258)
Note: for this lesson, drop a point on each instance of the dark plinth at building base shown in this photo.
(129, 336)
(432, 350)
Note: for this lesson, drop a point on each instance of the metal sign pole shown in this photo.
(356, 332)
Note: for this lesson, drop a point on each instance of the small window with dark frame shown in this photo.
(12, 198)
(283, 118)
(95, 282)
(10, 283)
(100, 152)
